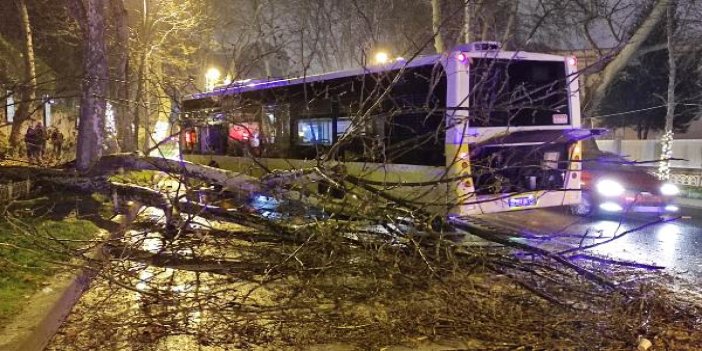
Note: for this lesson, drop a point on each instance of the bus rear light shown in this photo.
(577, 149)
(462, 57)
(572, 61)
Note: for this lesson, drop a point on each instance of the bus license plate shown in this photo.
(522, 201)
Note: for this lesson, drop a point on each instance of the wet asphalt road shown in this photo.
(675, 244)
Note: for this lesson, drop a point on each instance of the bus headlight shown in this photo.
(670, 189)
(608, 187)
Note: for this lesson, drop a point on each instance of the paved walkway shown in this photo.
(692, 203)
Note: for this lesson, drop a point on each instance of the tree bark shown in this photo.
(667, 139)
(598, 84)
(467, 21)
(28, 87)
(436, 19)
(123, 118)
(93, 103)
(509, 28)
(670, 110)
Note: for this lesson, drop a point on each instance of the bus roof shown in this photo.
(254, 85)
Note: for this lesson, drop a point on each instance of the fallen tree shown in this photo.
(370, 279)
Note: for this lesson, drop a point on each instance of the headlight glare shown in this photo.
(670, 189)
(608, 187)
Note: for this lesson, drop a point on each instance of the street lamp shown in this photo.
(381, 57)
(211, 78)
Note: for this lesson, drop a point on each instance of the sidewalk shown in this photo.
(689, 202)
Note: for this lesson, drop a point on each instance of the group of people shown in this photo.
(35, 139)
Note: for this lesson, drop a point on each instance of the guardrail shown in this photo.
(14, 190)
(693, 180)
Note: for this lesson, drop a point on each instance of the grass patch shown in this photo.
(28, 250)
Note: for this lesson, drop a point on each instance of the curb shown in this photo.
(34, 327)
(29, 336)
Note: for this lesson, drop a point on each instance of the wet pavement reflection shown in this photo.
(674, 243)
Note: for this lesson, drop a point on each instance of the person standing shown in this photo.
(29, 137)
(56, 143)
(40, 137)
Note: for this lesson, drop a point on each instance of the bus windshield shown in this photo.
(518, 93)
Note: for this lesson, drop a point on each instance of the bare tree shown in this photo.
(27, 97)
(597, 84)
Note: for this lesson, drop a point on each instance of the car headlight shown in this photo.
(608, 187)
(670, 189)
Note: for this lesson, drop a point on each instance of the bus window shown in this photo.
(268, 124)
(518, 93)
(314, 131)
(243, 132)
(275, 130)
(244, 138)
(416, 139)
(342, 126)
(213, 139)
(190, 141)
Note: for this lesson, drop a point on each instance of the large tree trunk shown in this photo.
(598, 84)
(436, 20)
(27, 94)
(123, 118)
(141, 108)
(139, 100)
(509, 27)
(467, 21)
(92, 106)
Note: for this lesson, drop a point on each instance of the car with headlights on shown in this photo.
(612, 184)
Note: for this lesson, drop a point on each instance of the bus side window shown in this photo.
(314, 131)
(190, 141)
(213, 139)
(275, 130)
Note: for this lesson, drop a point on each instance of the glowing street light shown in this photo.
(211, 78)
(381, 57)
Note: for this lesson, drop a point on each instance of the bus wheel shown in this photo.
(585, 207)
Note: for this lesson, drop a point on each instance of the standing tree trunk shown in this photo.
(509, 27)
(28, 87)
(123, 119)
(139, 99)
(146, 103)
(667, 139)
(436, 19)
(92, 105)
(467, 21)
(141, 108)
(598, 84)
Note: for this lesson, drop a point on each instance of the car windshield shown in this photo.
(608, 161)
(603, 160)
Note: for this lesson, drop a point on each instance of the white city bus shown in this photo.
(477, 130)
